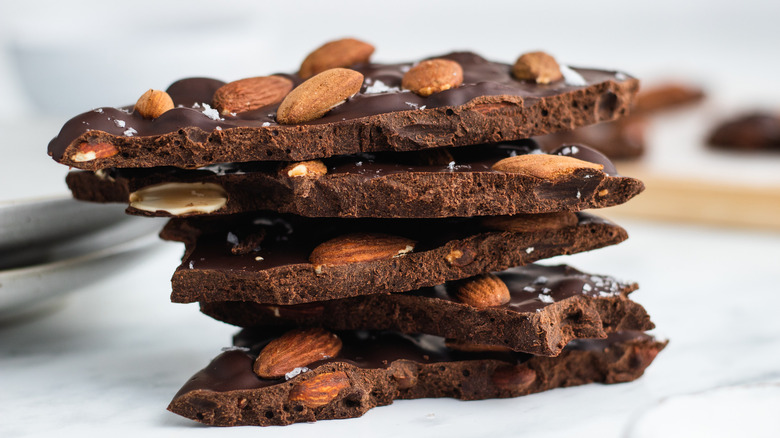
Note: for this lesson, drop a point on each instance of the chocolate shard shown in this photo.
(401, 185)
(549, 307)
(438, 250)
(373, 369)
(490, 106)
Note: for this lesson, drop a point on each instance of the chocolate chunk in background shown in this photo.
(442, 182)
(549, 306)
(754, 131)
(666, 96)
(489, 107)
(375, 368)
(624, 138)
(280, 270)
(619, 140)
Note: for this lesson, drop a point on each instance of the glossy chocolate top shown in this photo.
(534, 287)
(381, 93)
(232, 370)
(278, 240)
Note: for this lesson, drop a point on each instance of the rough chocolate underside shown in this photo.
(489, 107)
(447, 249)
(227, 393)
(381, 186)
(550, 306)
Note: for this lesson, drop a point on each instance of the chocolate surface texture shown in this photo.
(549, 307)
(403, 185)
(265, 258)
(756, 131)
(489, 107)
(375, 368)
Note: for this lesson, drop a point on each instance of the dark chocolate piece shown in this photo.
(374, 369)
(666, 96)
(279, 271)
(382, 185)
(549, 307)
(490, 106)
(756, 131)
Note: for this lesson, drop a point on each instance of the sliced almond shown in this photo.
(538, 67)
(486, 290)
(180, 198)
(153, 104)
(360, 247)
(314, 168)
(433, 76)
(88, 152)
(319, 390)
(522, 223)
(295, 349)
(318, 95)
(250, 94)
(543, 165)
(340, 53)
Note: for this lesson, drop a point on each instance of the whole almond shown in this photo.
(433, 76)
(318, 95)
(486, 290)
(250, 94)
(435, 157)
(514, 378)
(537, 66)
(295, 349)
(88, 152)
(319, 390)
(543, 165)
(522, 223)
(360, 247)
(340, 53)
(153, 104)
(314, 168)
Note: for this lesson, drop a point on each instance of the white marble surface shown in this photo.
(109, 358)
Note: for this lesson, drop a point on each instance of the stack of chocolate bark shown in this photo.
(372, 227)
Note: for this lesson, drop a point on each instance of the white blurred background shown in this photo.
(67, 57)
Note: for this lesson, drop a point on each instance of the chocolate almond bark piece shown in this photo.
(489, 106)
(445, 182)
(548, 307)
(375, 368)
(267, 258)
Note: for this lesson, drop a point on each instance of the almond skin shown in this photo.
(250, 94)
(433, 76)
(543, 165)
(153, 104)
(471, 347)
(360, 247)
(318, 95)
(514, 378)
(531, 222)
(486, 290)
(314, 168)
(295, 349)
(319, 390)
(340, 53)
(538, 67)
